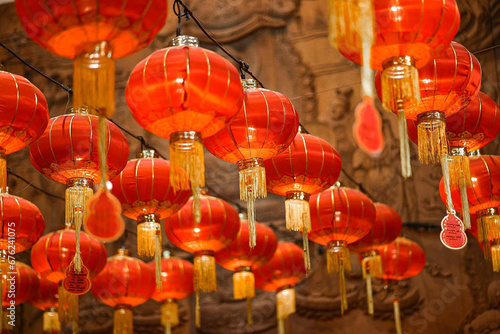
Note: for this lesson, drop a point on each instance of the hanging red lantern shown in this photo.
(22, 223)
(24, 117)
(218, 227)
(68, 152)
(46, 298)
(339, 217)
(125, 282)
(185, 93)
(385, 229)
(284, 270)
(484, 202)
(309, 166)
(397, 39)
(93, 34)
(243, 260)
(401, 259)
(147, 196)
(177, 284)
(265, 127)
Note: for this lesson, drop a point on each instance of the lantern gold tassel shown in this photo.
(147, 225)
(307, 254)
(3, 172)
(371, 266)
(68, 307)
(159, 281)
(123, 321)
(1, 308)
(252, 176)
(432, 143)
(338, 260)
(78, 193)
(488, 226)
(298, 215)
(169, 315)
(404, 146)
(244, 288)
(397, 315)
(495, 257)
(204, 272)
(285, 306)
(51, 323)
(197, 311)
(6, 326)
(186, 151)
(465, 203)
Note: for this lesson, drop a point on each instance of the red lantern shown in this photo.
(177, 283)
(24, 116)
(94, 34)
(284, 270)
(147, 196)
(243, 260)
(309, 166)
(22, 223)
(125, 282)
(218, 227)
(185, 93)
(46, 299)
(67, 152)
(385, 229)
(401, 259)
(265, 127)
(340, 217)
(484, 202)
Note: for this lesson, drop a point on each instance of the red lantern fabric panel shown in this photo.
(22, 280)
(46, 296)
(22, 222)
(401, 259)
(23, 112)
(69, 149)
(177, 279)
(65, 27)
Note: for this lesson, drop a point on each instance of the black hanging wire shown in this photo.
(30, 184)
(358, 184)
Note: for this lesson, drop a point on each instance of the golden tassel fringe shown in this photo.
(249, 312)
(3, 174)
(307, 254)
(397, 315)
(186, 151)
(372, 266)
(298, 214)
(159, 281)
(123, 320)
(252, 237)
(103, 150)
(6, 326)
(339, 261)
(400, 85)
(77, 259)
(68, 306)
(2, 311)
(243, 285)
(369, 293)
(459, 170)
(205, 279)
(77, 196)
(197, 310)
(285, 303)
(488, 230)
(169, 315)
(495, 257)
(432, 142)
(281, 326)
(51, 322)
(404, 146)
(465, 203)
(146, 238)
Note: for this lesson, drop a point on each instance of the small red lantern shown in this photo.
(265, 127)
(177, 283)
(46, 298)
(125, 282)
(24, 117)
(339, 217)
(243, 260)
(185, 93)
(68, 152)
(147, 196)
(284, 270)
(484, 202)
(22, 223)
(401, 259)
(218, 227)
(309, 166)
(94, 34)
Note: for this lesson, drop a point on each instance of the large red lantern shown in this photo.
(484, 202)
(401, 259)
(93, 34)
(385, 229)
(243, 260)
(177, 283)
(339, 217)
(265, 127)
(24, 117)
(218, 227)
(125, 282)
(68, 152)
(185, 93)
(396, 38)
(284, 270)
(22, 223)
(147, 196)
(309, 166)
(46, 298)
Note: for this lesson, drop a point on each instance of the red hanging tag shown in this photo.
(77, 283)
(453, 234)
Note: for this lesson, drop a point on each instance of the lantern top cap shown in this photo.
(123, 252)
(185, 40)
(249, 83)
(147, 153)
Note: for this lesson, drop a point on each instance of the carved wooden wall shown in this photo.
(285, 42)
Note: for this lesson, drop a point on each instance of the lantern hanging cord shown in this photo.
(30, 184)
(66, 88)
